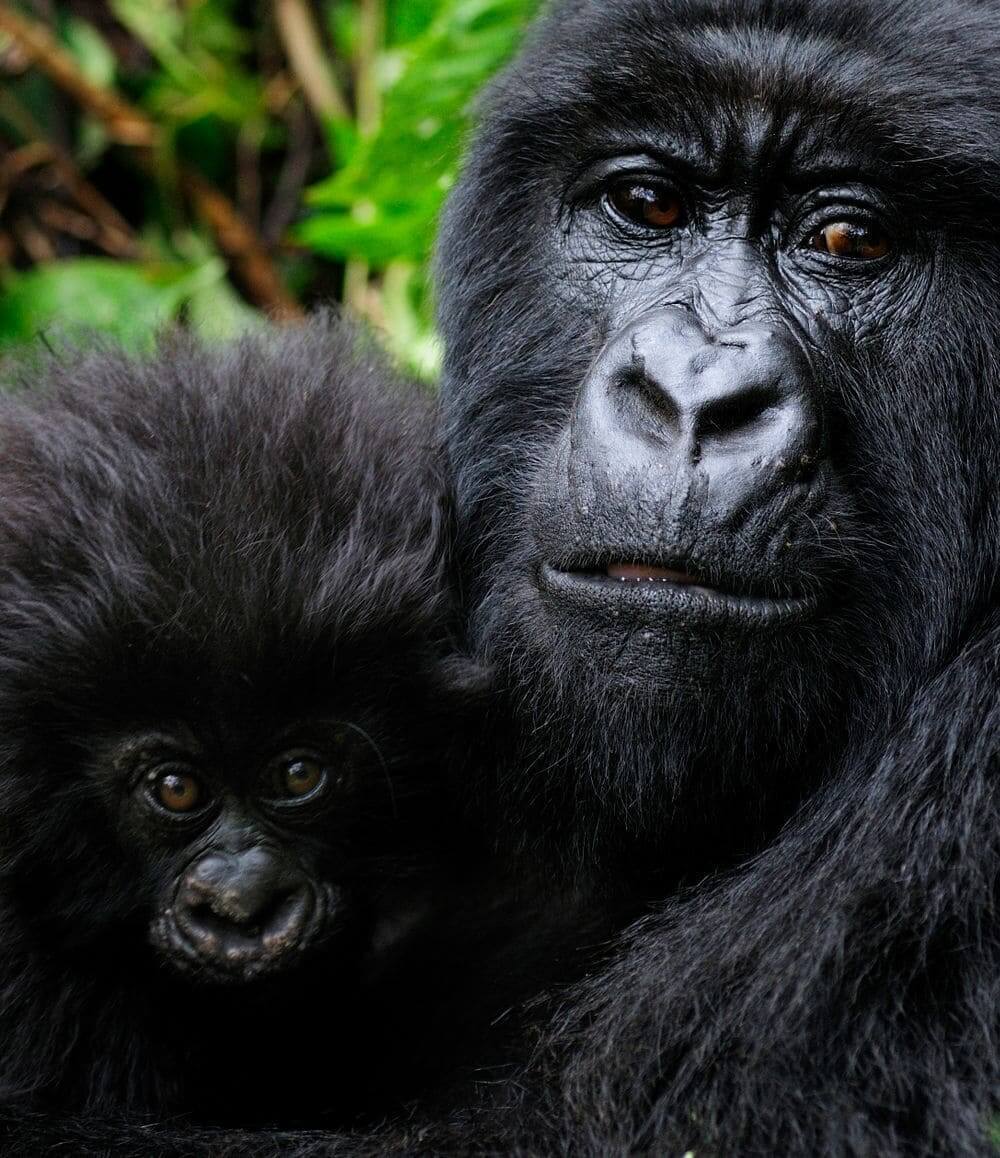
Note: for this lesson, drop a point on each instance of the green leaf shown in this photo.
(90, 50)
(127, 302)
(407, 19)
(384, 203)
(158, 24)
(200, 51)
(217, 312)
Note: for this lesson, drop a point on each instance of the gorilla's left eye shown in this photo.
(300, 777)
(852, 240)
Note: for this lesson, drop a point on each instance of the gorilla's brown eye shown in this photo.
(177, 791)
(852, 240)
(302, 776)
(647, 204)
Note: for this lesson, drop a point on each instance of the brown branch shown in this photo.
(371, 30)
(21, 160)
(357, 289)
(123, 123)
(114, 227)
(34, 243)
(242, 247)
(86, 228)
(61, 219)
(114, 232)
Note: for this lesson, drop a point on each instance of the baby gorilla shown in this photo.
(223, 681)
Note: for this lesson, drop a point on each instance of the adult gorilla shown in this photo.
(719, 290)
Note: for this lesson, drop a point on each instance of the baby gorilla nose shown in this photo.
(243, 914)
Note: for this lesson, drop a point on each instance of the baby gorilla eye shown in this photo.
(852, 240)
(176, 790)
(303, 777)
(647, 204)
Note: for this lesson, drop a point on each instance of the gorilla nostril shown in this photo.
(737, 412)
(287, 920)
(637, 384)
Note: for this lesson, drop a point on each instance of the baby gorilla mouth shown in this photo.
(239, 916)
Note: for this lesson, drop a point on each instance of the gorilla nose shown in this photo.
(242, 907)
(732, 405)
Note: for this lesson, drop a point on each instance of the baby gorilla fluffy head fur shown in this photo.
(222, 653)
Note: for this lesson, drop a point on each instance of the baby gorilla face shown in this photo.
(246, 859)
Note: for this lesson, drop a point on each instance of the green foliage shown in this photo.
(348, 210)
(201, 55)
(384, 203)
(129, 301)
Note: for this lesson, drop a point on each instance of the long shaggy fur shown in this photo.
(232, 539)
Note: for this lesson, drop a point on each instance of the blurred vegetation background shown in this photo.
(215, 162)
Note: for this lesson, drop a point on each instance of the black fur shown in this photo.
(811, 819)
(830, 986)
(233, 542)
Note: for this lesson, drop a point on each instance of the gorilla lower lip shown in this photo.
(653, 592)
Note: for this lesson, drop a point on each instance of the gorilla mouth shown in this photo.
(674, 592)
(213, 950)
(647, 573)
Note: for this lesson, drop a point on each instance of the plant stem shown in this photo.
(304, 48)
(368, 112)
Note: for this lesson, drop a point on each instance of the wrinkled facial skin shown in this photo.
(714, 332)
(245, 860)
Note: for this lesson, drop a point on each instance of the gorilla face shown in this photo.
(243, 878)
(212, 674)
(717, 323)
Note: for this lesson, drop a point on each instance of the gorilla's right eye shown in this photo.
(176, 790)
(646, 203)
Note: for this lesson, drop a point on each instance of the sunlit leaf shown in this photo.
(385, 202)
(90, 50)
